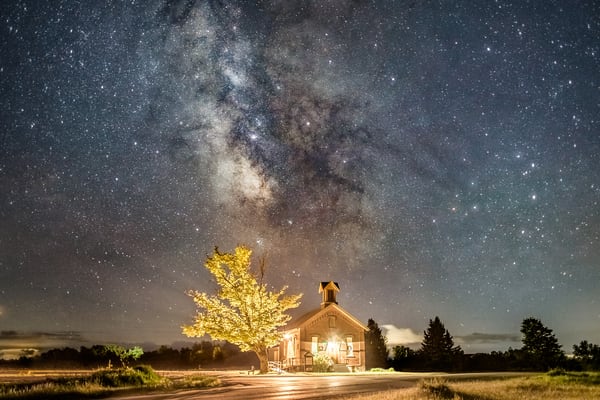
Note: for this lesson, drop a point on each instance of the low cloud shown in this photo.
(485, 342)
(474, 342)
(401, 336)
(14, 344)
(487, 338)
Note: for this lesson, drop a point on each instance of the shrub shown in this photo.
(147, 373)
(141, 375)
(557, 372)
(322, 362)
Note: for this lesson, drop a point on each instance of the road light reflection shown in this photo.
(294, 388)
(288, 391)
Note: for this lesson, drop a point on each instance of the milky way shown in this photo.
(434, 158)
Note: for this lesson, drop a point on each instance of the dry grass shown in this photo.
(101, 383)
(568, 386)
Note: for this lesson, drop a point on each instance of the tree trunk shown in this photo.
(264, 359)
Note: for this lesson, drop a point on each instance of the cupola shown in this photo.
(329, 290)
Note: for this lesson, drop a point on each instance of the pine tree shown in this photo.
(376, 346)
(437, 347)
(243, 312)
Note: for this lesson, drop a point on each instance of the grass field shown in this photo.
(93, 384)
(555, 385)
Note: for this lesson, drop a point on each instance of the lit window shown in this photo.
(291, 347)
(314, 348)
(349, 347)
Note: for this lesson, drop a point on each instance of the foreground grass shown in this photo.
(555, 385)
(104, 383)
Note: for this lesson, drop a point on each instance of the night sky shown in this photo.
(436, 158)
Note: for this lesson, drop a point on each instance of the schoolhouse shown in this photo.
(329, 330)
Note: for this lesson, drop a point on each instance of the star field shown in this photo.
(434, 158)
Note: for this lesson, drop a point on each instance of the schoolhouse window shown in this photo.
(330, 296)
(349, 346)
(291, 347)
(314, 345)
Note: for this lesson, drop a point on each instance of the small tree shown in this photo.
(540, 345)
(437, 348)
(243, 312)
(376, 346)
(124, 355)
(404, 357)
(588, 354)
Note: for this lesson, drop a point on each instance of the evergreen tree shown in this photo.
(243, 312)
(540, 345)
(376, 346)
(437, 348)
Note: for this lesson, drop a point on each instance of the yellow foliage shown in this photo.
(243, 312)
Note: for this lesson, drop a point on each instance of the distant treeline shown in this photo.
(405, 359)
(540, 352)
(209, 355)
(203, 355)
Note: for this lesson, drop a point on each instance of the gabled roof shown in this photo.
(311, 315)
(332, 284)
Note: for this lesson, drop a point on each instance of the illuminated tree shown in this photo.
(540, 345)
(243, 312)
(124, 355)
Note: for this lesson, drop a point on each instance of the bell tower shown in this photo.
(330, 290)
